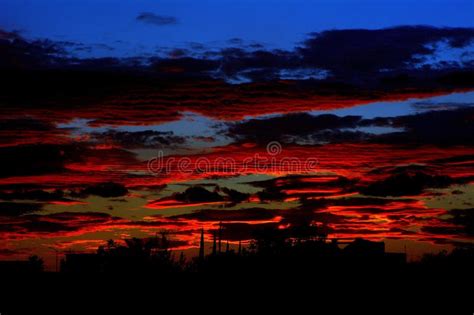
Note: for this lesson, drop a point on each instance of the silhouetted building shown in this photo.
(361, 247)
(366, 251)
(82, 262)
(18, 266)
(32, 265)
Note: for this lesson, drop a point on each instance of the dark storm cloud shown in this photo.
(17, 52)
(301, 181)
(155, 19)
(64, 222)
(464, 218)
(33, 194)
(23, 124)
(397, 169)
(239, 61)
(235, 196)
(155, 90)
(346, 54)
(303, 128)
(456, 159)
(250, 214)
(57, 222)
(455, 221)
(288, 126)
(360, 51)
(336, 136)
(442, 127)
(198, 194)
(184, 66)
(442, 230)
(137, 139)
(5, 35)
(305, 186)
(372, 202)
(178, 53)
(299, 129)
(407, 184)
(21, 130)
(15, 209)
(36, 159)
(427, 105)
(105, 190)
(458, 222)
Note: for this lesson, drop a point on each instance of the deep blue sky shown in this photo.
(276, 23)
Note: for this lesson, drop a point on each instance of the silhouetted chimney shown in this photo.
(201, 246)
(220, 237)
(214, 245)
(240, 247)
(227, 247)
